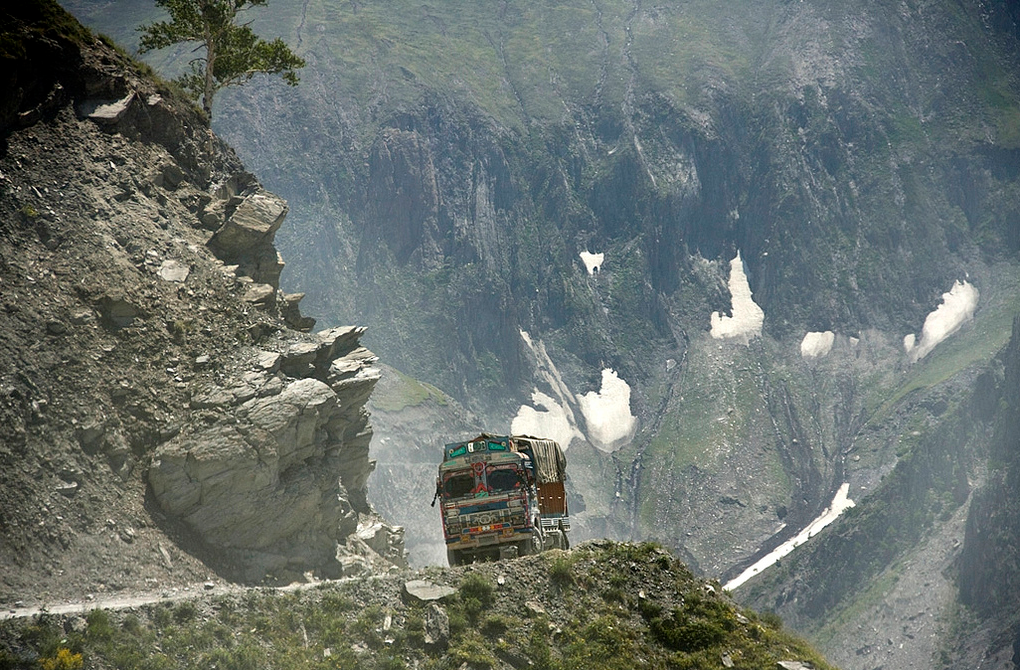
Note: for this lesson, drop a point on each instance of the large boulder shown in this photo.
(275, 476)
(246, 236)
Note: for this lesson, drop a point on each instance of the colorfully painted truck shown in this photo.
(502, 496)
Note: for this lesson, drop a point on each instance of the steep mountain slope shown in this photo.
(148, 360)
(930, 553)
(459, 171)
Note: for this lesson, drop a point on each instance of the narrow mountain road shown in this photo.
(123, 601)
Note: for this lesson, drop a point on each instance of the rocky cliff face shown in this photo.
(987, 566)
(160, 401)
(274, 473)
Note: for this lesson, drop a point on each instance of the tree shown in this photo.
(233, 52)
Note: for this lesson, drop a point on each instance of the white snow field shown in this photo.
(747, 316)
(817, 345)
(546, 419)
(957, 308)
(592, 262)
(607, 412)
(548, 416)
(839, 504)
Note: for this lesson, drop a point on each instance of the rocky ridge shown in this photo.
(148, 358)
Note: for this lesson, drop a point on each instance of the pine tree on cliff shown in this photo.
(233, 52)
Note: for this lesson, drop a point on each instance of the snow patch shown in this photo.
(839, 504)
(593, 262)
(908, 342)
(747, 316)
(816, 345)
(549, 421)
(956, 309)
(550, 417)
(607, 412)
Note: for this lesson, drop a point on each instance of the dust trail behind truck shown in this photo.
(502, 496)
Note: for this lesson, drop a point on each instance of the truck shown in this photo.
(502, 496)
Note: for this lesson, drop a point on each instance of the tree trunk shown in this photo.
(210, 61)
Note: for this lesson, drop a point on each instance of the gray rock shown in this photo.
(301, 354)
(55, 327)
(260, 294)
(246, 237)
(274, 476)
(165, 555)
(106, 111)
(81, 317)
(794, 665)
(117, 311)
(273, 386)
(90, 436)
(354, 566)
(255, 220)
(535, 608)
(269, 361)
(212, 397)
(424, 591)
(339, 341)
(172, 176)
(211, 220)
(290, 310)
(437, 627)
(173, 271)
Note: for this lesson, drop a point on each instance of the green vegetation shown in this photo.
(561, 570)
(634, 602)
(233, 53)
(406, 392)
(928, 484)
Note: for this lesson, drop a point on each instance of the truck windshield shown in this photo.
(500, 481)
(458, 485)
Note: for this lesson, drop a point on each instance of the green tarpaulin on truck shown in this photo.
(550, 462)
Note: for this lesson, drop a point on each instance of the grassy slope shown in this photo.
(602, 606)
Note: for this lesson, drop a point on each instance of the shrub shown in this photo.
(64, 660)
(99, 627)
(561, 572)
(475, 596)
(771, 620)
(473, 650)
(476, 586)
(185, 612)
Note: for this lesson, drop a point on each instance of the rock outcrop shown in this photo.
(275, 474)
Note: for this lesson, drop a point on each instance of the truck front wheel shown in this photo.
(454, 557)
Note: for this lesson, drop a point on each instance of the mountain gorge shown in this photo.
(735, 257)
